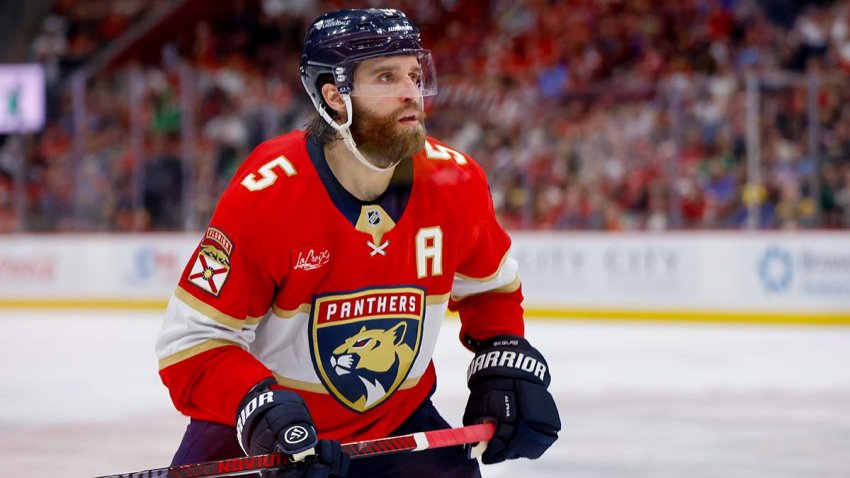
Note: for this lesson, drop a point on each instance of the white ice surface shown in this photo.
(80, 396)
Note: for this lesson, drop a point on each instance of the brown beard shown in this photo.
(379, 138)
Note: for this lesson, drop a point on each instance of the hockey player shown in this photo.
(310, 310)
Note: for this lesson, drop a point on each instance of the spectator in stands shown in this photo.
(639, 106)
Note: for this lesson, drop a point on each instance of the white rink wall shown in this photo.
(712, 276)
(107, 270)
(764, 276)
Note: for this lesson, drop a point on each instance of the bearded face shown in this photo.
(387, 139)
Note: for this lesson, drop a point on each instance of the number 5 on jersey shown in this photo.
(266, 175)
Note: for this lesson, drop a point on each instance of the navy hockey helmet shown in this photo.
(337, 41)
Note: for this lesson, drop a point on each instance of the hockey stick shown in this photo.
(360, 449)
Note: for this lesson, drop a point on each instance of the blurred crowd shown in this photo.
(586, 114)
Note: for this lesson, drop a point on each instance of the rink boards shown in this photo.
(750, 277)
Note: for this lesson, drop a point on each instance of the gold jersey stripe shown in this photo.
(300, 385)
(194, 350)
(288, 314)
(209, 311)
(505, 289)
(410, 383)
(319, 388)
(437, 299)
(488, 278)
(306, 308)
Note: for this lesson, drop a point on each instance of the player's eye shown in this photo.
(386, 77)
(416, 77)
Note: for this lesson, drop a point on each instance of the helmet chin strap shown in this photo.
(345, 131)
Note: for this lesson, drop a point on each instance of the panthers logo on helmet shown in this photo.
(364, 343)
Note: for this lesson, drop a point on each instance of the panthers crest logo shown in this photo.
(364, 343)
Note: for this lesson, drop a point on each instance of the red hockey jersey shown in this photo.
(338, 300)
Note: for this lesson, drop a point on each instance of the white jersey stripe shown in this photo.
(277, 342)
(281, 347)
(184, 328)
(507, 275)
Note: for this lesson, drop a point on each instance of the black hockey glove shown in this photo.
(507, 381)
(272, 421)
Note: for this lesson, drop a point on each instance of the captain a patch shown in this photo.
(211, 267)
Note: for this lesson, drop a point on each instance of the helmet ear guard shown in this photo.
(325, 79)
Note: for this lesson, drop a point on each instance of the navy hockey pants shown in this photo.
(207, 441)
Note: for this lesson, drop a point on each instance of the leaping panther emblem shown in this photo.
(370, 355)
(363, 360)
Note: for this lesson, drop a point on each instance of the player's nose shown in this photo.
(409, 90)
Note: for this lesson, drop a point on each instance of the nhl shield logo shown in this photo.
(364, 342)
(373, 217)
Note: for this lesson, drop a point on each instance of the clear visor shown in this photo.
(389, 76)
